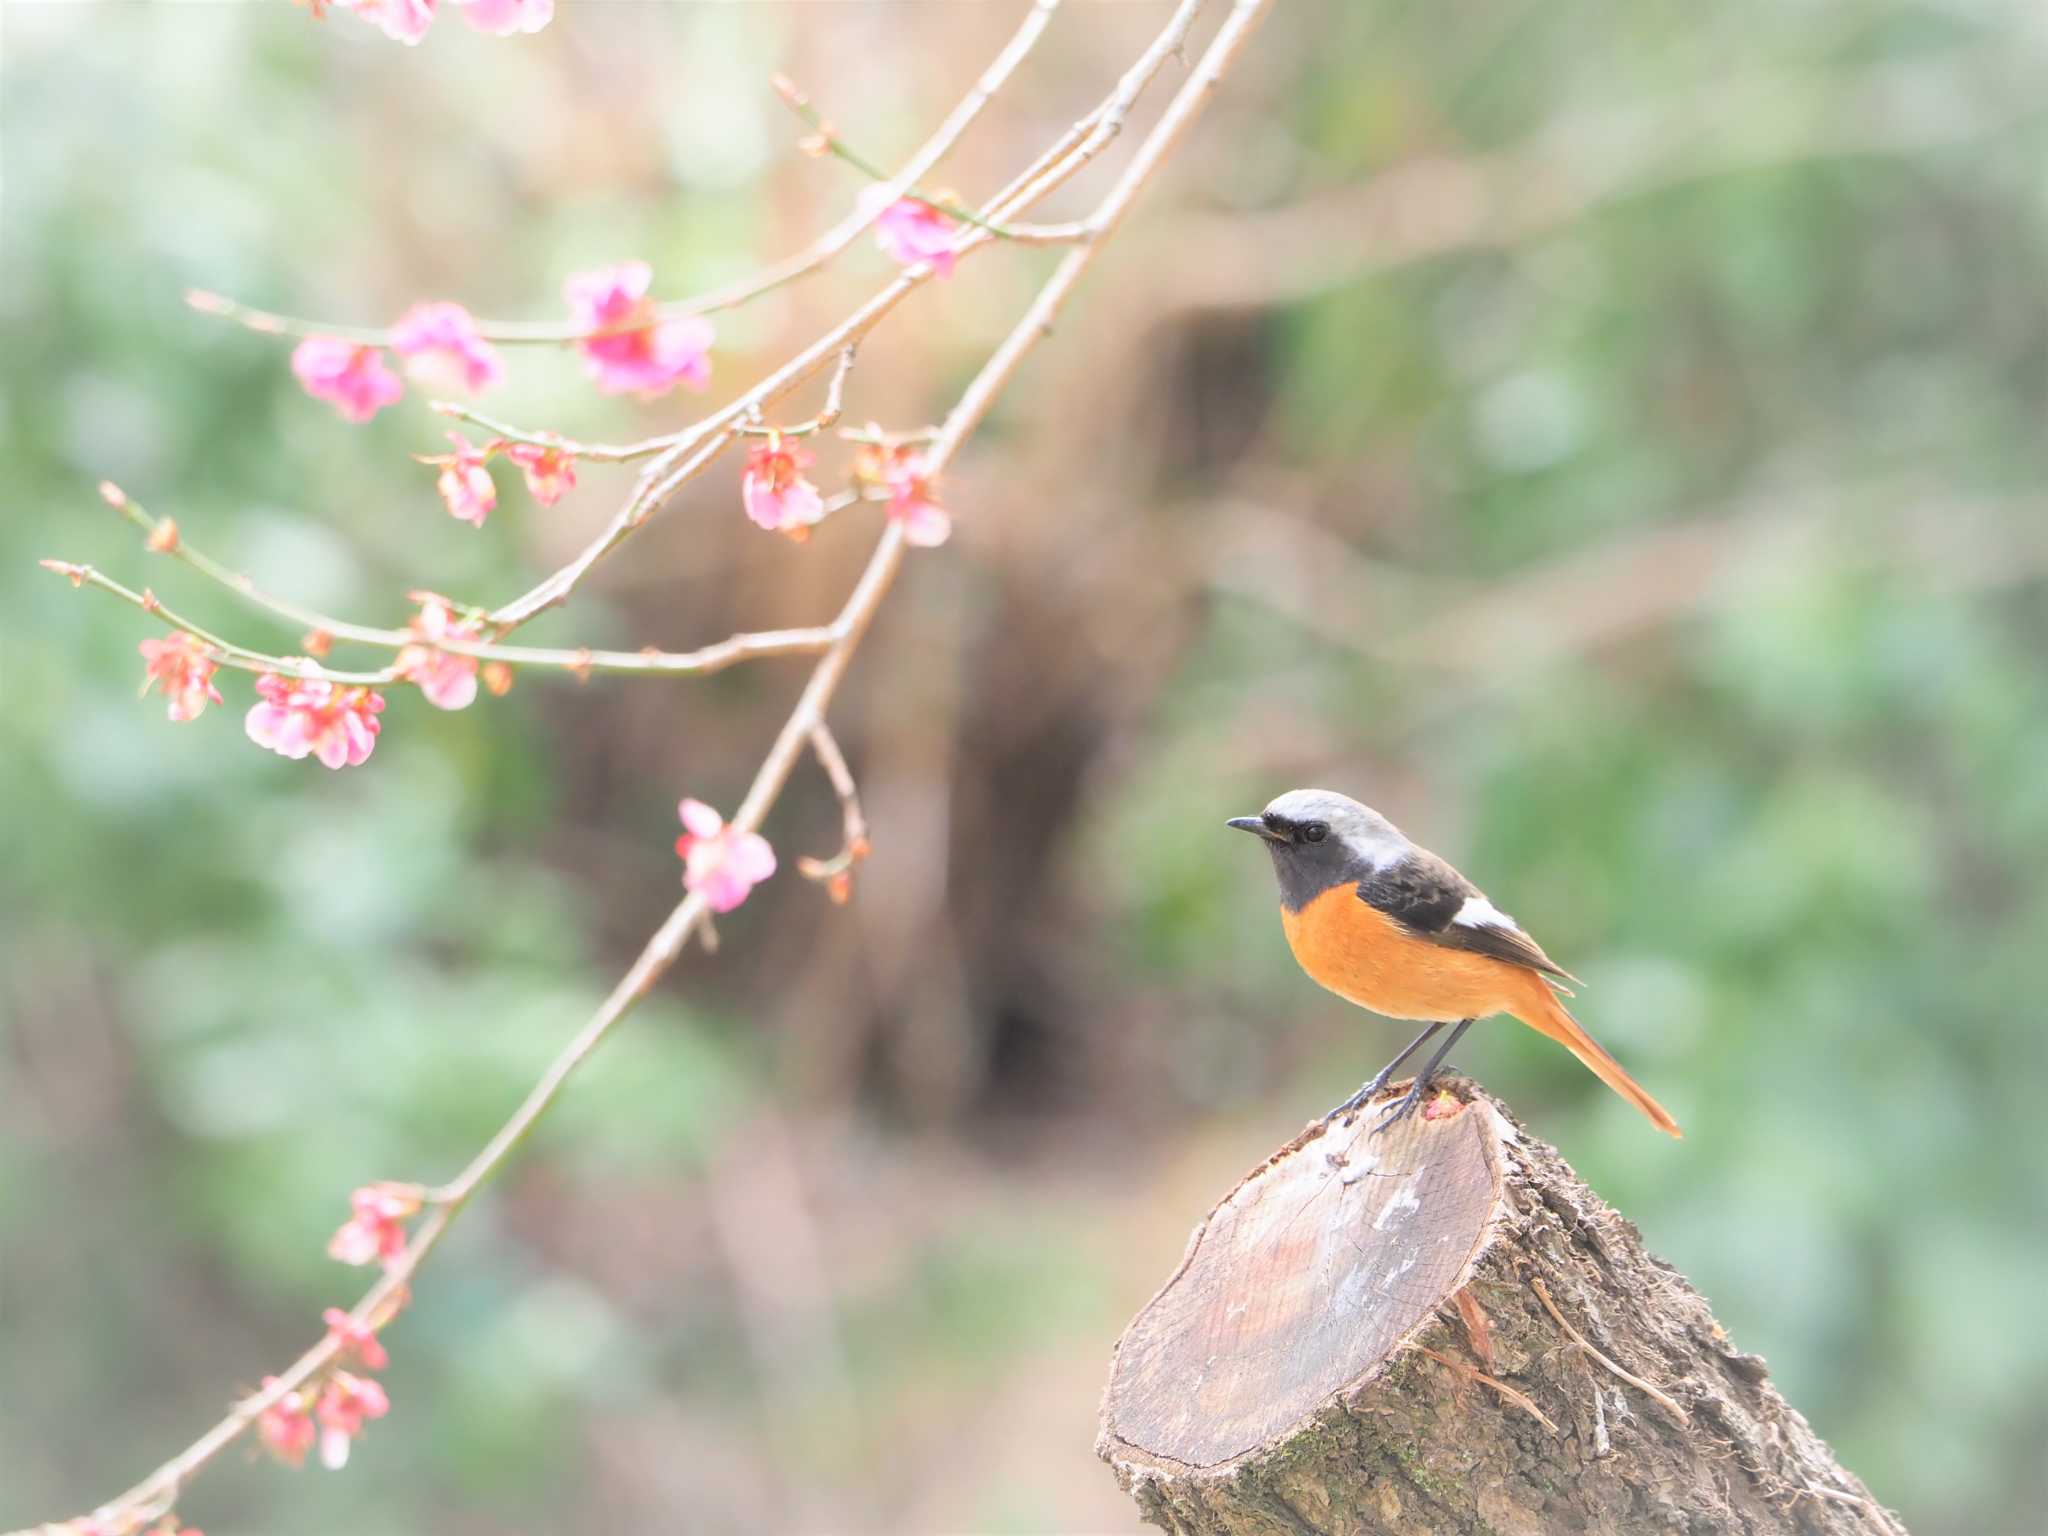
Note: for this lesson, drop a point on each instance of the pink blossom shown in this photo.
(346, 1403)
(358, 1339)
(466, 487)
(447, 678)
(349, 376)
(313, 717)
(719, 862)
(404, 21)
(502, 18)
(285, 1428)
(774, 490)
(185, 668)
(440, 341)
(376, 1229)
(913, 232)
(912, 501)
(641, 353)
(550, 470)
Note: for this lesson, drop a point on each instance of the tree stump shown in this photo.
(1441, 1329)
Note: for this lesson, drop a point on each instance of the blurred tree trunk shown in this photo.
(1441, 1329)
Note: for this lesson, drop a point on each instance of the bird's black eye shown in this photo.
(1315, 832)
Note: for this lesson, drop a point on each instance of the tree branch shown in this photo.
(805, 725)
(805, 262)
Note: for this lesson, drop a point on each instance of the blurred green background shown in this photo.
(1607, 438)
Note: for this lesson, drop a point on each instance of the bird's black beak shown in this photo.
(1256, 827)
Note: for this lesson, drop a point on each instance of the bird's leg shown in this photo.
(1414, 1095)
(1379, 1081)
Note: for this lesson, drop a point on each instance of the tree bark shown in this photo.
(1442, 1330)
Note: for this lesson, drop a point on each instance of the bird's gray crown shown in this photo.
(1362, 830)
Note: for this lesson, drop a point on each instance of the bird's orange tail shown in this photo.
(1546, 1015)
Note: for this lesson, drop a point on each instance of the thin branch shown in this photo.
(836, 872)
(1662, 1399)
(750, 646)
(164, 538)
(802, 728)
(695, 447)
(690, 451)
(596, 453)
(1520, 1399)
(827, 137)
(1179, 116)
(622, 453)
(1089, 137)
(828, 416)
(699, 445)
(805, 262)
(226, 652)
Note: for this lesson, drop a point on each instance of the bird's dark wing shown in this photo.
(1425, 895)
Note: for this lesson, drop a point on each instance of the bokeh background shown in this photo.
(1608, 438)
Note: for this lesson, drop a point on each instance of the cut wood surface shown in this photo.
(1442, 1330)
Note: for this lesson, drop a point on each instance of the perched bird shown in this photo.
(1392, 927)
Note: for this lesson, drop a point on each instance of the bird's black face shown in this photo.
(1308, 856)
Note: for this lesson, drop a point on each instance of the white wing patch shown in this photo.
(1478, 912)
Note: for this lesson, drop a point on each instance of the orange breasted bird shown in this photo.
(1392, 927)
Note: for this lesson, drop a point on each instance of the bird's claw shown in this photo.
(1348, 1110)
(1405, 1106)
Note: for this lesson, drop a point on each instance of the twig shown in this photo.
(805, 262)
(1663, 1399)
(622, 453)
(826, 417)
(596, 453)
(165, 538)
(1478, 1332)
(1519, 1399)
(696, 446)
(801, 728)
(836, 871)
(749, 646)
(691, 450)
(828, 138)
(226, 652)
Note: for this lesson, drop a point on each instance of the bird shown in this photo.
(1393, 928)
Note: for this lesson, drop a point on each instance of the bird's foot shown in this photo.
(1348, 1110)
(1405, 1106)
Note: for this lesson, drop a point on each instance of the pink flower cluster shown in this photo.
(467, 489)
(313, 717)
(357, 1340)
(406, 21)
(550, 469)
(720, 863)
(332, 1411)
(351, 377)
(185, 668)
(627, 346)
(913, 232)
(375, 1228)
(439, 342)
(774, 491)
(465, 483)
(903, 473)
(636, 352)
(447, 678)
(333, 1415)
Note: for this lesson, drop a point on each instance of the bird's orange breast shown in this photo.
(1363, 955)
